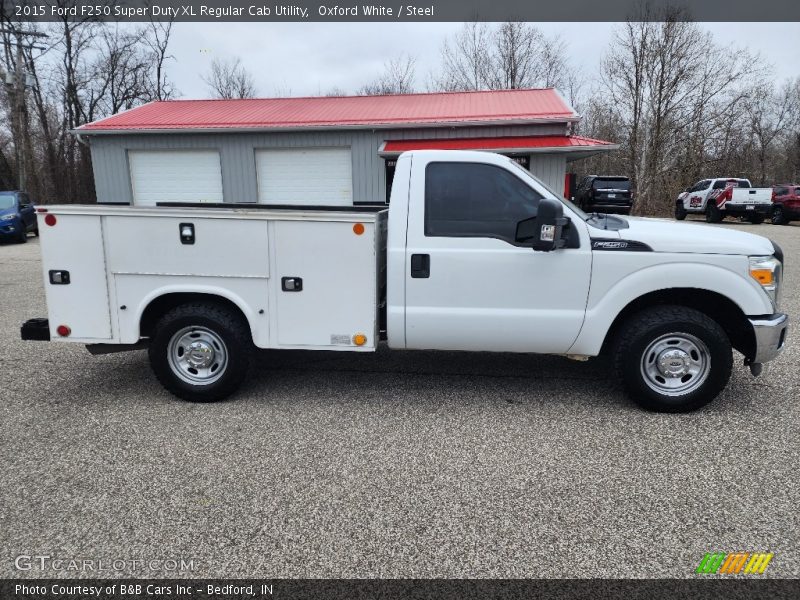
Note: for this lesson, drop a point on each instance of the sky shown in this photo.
(300, 59)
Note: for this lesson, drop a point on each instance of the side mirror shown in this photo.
(544, 231)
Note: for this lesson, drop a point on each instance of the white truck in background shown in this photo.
(725, 197)
(474, 254)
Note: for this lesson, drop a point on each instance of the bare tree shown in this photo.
(397, 78)
(511, 56)
(466, 59)
(229, 79)
(670, 85)
(156, 38)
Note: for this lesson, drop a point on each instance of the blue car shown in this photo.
(17, 217)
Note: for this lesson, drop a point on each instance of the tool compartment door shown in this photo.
(338, 272)
(75, 245)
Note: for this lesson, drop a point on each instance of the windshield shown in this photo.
(6, 201)
(555, 194)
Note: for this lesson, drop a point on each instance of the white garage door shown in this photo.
(308, 176)
(175, 176)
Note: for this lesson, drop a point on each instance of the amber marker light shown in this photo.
(358, 228)
(359, 339)
(762, 276)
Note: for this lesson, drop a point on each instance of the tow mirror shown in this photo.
(544, 231)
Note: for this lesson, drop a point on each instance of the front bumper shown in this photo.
(770, 336)
(9, 228)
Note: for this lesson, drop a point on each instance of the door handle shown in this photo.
(420, 266)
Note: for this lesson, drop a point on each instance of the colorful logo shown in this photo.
(734, 563)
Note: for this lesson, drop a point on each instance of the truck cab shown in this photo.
(17, 216)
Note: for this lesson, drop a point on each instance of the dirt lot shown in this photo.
(415, 464)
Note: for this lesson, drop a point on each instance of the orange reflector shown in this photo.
(358, 228)
(359, 339)
(762, 276)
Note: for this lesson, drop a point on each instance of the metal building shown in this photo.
(321, 150)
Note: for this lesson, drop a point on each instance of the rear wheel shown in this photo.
(673, 358)
(201, 352)
(680, 211)
(713, 213)
(778, 217)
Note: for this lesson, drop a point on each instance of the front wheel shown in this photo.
(201, 351)
(673, 358)
(680, 211)
(22, 236)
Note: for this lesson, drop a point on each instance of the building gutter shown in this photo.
(298, 128)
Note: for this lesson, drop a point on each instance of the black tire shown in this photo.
(756, 219)
(642, 333)
(212, 320)
(36, 232)
(713, 213)
(680, 211)
(778, 217)
(23, 236)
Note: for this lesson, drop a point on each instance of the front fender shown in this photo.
(611, 291)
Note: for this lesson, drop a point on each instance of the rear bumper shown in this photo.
(770, 336)
(35, 330)
(608, 207)
(741, 209)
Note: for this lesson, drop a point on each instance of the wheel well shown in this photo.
(161, 305)
(716, 306)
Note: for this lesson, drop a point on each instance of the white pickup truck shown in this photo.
(723, 197)
(473, 254)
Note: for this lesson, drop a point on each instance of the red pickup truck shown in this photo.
(785, 203)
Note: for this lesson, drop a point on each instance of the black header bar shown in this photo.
(400, 10)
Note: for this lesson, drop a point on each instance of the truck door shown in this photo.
(469, 285)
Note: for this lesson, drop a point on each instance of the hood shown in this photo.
(8, 211)
(664, 235)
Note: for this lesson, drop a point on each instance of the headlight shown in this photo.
(10, 217)
(766, 270)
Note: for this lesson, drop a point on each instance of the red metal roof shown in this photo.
(345, 111)
(509, 144)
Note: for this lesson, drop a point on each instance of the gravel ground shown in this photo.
(415, 464)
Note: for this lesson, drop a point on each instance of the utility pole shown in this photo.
(17, 100)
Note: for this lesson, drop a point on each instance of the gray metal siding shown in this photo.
(550, 168)
(237, 155)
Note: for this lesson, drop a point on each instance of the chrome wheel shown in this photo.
(197, 355)
(676, 364)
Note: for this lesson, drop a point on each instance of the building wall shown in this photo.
(237, 155)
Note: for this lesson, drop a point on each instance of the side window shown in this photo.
(475, 200)
(781, 191)
(24, 200)
(700, 185)
(720, 185)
